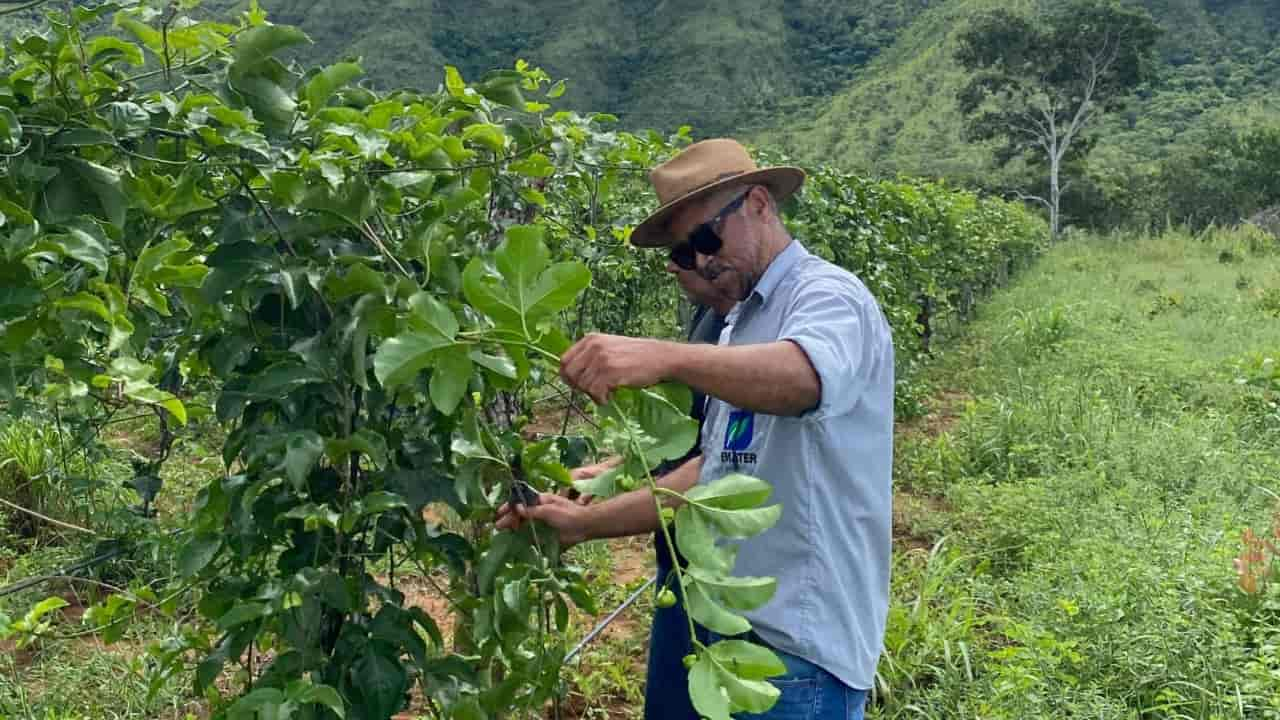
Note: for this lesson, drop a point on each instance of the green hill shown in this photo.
(1220, 65)
(868, 84)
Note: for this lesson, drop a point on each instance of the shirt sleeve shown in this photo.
(836, 329)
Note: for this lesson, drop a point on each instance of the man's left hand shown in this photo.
(599, 364)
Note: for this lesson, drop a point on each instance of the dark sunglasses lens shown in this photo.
(705, 240)
(682, 255)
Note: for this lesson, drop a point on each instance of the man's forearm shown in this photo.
(634, 512)
(771, 378)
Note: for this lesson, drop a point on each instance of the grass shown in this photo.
(1095, 488)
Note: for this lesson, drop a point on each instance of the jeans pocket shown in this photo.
(798, 700)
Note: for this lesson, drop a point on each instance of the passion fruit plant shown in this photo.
(360, 285)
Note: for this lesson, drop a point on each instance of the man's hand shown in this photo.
(599, 364)
(586, 472)
(567, 517)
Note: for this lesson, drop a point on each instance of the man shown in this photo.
(669, 641)
(801, 394)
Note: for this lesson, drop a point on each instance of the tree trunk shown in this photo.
(1055, 197)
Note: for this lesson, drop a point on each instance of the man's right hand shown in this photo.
(568, 517)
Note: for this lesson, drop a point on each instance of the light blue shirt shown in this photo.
(830, 468)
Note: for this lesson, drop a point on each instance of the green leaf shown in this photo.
(271, 103)
(365, 441)
(431, 315)
(10, 130)
(85, 302)
(243, 613)
(697, 542)
(301, 451)
(107, 48)
(399, 359)
(486, 134)
(499, 365)
(730, 678)
(327, 81)
(84, 188)
(131, 369)
(144, 33)
(258, 44)
(277, 381)
(528, 291)
(504, 547)
(741, 523)
(453, 82)
(737, 593)
(704, 690)
(128, 119)
(381, 682)
(145, 392)
(714, 616)
(747, 660)
(326, 696)
(449, 378)
(665, 431)
(197, 553)
(79, 244)
(732, 492)
(44, 607)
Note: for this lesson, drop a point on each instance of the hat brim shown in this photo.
(782, 182)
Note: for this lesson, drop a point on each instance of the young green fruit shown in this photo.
(689, 660)
(668, 515)
(666, 598)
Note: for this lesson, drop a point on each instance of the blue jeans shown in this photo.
(811, 693)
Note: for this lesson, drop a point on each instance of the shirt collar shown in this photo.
(779, 269)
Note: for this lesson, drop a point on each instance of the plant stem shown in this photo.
(666, 533)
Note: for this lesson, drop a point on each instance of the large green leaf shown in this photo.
(697, 542)
(429, 314)
(525, 290)
(197, 553)
(301, 451)
(657, 419)
(736, 593)
(741, 523)
(399, 359)
(449, 378)
(732, 492)
(708, 611)
(380, 681)
(327, 81)
(147, 393)
(731, 677)
(10, 130)
(257, 45)
(705, 690)
(747, 660)
(84, 188)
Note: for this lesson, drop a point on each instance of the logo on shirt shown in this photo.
(737, 436)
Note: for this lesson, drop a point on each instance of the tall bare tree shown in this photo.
(1038, 83)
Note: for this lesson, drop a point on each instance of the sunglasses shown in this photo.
(704, 240)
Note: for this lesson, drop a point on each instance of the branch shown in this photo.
(1024, 197)
(46, 518)
(20, 8)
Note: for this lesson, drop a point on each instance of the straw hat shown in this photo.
(700, 170)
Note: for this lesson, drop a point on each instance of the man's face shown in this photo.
(731, 272)
(700, 291)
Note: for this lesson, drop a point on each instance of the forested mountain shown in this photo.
(869, 84)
